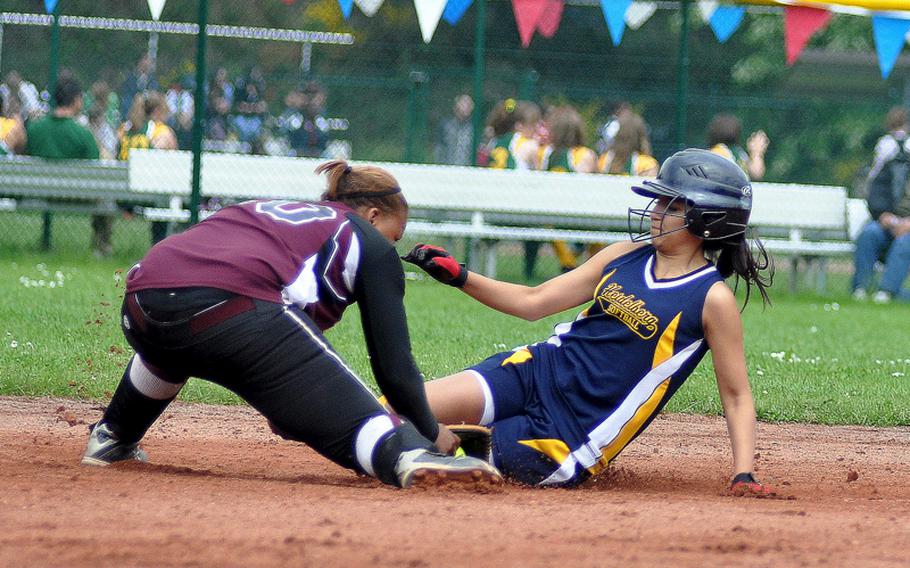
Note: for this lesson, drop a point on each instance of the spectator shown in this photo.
(222, 84)
(59, 137)
(139, 81)
(180, 104)
(25, 93)
(624, 145)
(887, 235)
(105, 136)
(218, 124)
(455, 141)
(566, 152)
(101, 96)
(514, 144)
(303, 123)
(250, 107)
(724, 134)
(12, 130)
(146, 125)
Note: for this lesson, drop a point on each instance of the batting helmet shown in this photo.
(717, 194)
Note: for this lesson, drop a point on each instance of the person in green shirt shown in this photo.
(58, 136)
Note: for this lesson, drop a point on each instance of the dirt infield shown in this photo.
(222, 490)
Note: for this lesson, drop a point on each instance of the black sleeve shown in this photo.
(379, 290)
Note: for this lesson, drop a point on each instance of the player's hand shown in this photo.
(438, 263)
(745, 485)
(446, 441)
(758, 143)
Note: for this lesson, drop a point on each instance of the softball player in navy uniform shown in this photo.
(562, 409)
(241, 300)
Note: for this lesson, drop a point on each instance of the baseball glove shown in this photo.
(476, 441)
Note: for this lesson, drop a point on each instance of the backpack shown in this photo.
(885, 187)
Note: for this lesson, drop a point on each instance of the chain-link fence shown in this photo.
(371, 90)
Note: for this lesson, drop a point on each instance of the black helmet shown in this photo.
(716, 191)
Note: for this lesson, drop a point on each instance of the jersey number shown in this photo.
(294, 212)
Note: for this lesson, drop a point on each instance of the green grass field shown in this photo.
(811, 359)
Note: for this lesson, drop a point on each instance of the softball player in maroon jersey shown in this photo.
(242, 299)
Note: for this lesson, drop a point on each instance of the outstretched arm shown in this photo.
(723, 330)
(527, 302)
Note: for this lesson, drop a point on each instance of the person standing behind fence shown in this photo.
(724, 132)
(887, 235)
(12, 130)
(514, 145)
(58, 136)
(565, 153)
(625, 149)
(455, 140)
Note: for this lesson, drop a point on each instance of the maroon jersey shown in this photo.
(278, 251)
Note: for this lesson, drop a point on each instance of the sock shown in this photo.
(132, 411)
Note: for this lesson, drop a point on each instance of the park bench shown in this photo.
(806, 224)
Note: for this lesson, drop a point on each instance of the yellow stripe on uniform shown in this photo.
(662, 353)
(517, 357)
(556, 450)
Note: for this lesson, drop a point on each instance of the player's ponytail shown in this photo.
(735, 257)
(362, 186)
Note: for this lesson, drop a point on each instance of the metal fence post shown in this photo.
(682, 85)
(415, 123)
(199, 113)
(480, 28)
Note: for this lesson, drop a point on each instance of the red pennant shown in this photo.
(800, 24)
(527, 16)
(550, 19)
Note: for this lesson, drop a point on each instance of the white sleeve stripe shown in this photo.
(328, 264)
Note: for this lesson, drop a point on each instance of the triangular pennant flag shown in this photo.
(890, 35)
(527, 14)
(346, 7)
(155, 7)
(455, 9)
(549, 20)
(726, 20)
(707, 9)
(615, 15)
(369, 7)
(800, 24)
(49, 5)
(428, 14)
(639, 13)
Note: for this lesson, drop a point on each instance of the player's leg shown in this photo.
(528, 449)
(872, 241)
(457, 398)
(284, 367)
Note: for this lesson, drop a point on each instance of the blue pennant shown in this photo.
(889, 34)
(615, 14)
(726, 20)
(49, 5)
(455, 9)
(346, 7)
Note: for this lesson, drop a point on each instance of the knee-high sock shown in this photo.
(139, 400)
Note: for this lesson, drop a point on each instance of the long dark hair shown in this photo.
(735, 256)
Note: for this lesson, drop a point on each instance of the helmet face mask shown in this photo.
(716, 192)
(640, 220)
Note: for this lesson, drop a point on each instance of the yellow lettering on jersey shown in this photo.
(556, 450)
(499, 158)
(517, 357)
(663, 352)
(602, 280)
(628, 309)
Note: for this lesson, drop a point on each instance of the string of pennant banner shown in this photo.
(802, 18)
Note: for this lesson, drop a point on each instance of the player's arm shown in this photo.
(527, 302)
(723, 330)
(379, 289)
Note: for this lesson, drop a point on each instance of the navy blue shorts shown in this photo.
(520, 422)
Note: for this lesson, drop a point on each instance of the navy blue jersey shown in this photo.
(604, 376)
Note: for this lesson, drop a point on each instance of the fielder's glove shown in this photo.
(438, 263)
(745, 484)
(476, 441)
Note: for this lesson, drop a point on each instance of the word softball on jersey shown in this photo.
(606, 375)
(275, 261)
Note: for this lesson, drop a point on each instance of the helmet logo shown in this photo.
(747, 191)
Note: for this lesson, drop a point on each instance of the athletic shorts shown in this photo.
(517, 418)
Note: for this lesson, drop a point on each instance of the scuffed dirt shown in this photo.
(222, 490)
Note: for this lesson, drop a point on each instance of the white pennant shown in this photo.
(638, 13)
(428, 14)
(707, 8)
(369, 7)
(155, 7)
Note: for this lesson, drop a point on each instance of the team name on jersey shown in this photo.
(628, 309)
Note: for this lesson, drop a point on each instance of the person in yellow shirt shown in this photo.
(566, 152)
(514, 145)
(12, 131)
(724, 132)
(625, 147)
(146, 125)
